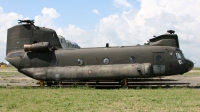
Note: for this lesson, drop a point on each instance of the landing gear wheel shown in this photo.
(49, 84)
(124, 83)
(41, 83)
(125, 87)
(97, 82)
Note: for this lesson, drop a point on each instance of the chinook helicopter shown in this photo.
(41, 54)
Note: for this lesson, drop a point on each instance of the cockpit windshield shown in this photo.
(182, 54)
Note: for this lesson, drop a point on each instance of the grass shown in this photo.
(8, 68)
(88, 99)
(13, 81)
(196, 68)
(23, 99)
(10, 74)
(193, 74)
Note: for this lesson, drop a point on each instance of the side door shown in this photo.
(53, 71)
(159, 66)
(58, 57)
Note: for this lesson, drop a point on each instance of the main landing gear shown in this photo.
(42, 83)
(48, 83)
(124, 83)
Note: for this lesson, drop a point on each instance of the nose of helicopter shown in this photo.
(189, 64)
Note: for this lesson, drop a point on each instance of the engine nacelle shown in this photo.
(37, 47)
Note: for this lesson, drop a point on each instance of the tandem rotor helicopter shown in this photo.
(41, 54)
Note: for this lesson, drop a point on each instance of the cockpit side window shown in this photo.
(178, 55)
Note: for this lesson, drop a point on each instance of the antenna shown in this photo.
(171, 31)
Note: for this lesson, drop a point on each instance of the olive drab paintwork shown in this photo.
(40, 54)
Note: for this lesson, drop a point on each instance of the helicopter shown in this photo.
(41, 54)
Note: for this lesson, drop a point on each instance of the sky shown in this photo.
(93, 23)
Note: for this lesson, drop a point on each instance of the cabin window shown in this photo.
(106, 61)
(132, 59)
(80, 62)
(158, 58)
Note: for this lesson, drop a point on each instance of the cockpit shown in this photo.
(179, 56)
(182, 60)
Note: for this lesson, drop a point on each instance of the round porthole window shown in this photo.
(132, 59)
(80, 62)
(158, 58)
(106, 61)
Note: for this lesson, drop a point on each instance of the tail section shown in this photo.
(28, 33)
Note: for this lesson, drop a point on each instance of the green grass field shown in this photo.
(8, 68)
(28, 99)
(192, 74)
(196, 68)
(9, 72)
(88, 100)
